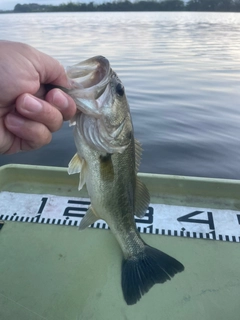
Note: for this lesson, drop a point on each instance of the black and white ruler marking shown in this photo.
(161, 219)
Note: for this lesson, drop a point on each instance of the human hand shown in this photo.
(28, 113)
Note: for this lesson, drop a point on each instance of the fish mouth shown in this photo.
(94, 91)
(89, 72)
(89, 81)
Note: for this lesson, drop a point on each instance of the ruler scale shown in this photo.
(181, 221)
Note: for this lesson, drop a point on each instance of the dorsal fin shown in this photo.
(142, 199)
(138, 153)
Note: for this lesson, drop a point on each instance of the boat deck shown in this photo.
(53, 272)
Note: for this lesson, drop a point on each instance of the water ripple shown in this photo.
(181, 71)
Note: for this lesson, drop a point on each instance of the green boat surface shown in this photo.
(53, 272)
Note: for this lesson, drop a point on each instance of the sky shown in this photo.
(10, 4)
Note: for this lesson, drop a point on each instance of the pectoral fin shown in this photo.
(89, 218)
(142, 199)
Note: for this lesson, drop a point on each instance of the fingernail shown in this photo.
(14, 121)
(31, 104)
(60, 100)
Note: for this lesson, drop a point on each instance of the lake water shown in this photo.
(181, 71)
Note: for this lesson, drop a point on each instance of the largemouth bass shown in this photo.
(107, 159)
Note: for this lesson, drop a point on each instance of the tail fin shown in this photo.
(141, 272)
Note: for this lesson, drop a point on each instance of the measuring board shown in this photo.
(183, 221)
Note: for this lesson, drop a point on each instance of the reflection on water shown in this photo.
(182, 76)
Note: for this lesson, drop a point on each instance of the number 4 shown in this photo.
(209, 221)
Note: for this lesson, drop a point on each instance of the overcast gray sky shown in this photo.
(10, 4)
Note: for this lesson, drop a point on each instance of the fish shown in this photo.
(107, 161)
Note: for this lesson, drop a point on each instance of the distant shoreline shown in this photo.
(13, 12)
(127, 6)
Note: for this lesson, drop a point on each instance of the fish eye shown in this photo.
(120, 89)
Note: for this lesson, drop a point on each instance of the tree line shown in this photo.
(152, 5)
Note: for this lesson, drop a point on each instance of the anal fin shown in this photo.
(89, 218)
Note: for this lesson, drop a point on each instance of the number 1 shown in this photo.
(42, 206)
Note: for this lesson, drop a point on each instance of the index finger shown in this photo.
(50, 70)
